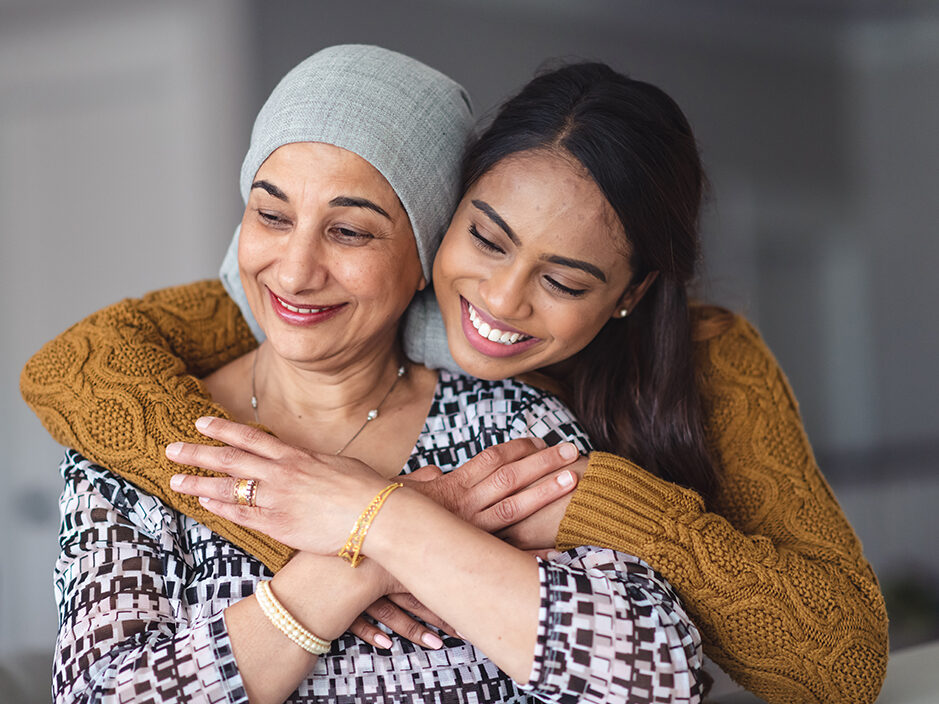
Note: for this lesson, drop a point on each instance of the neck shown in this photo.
(341, 392)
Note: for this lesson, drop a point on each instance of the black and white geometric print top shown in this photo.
(141, 591)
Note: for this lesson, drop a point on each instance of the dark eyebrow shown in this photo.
(576, 264)
(353, 202)
(497, 219)
(272, 189)
(337, 202)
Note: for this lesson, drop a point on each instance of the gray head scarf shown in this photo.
(406, 119)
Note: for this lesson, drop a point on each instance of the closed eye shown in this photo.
(565, 290)
(483, 243)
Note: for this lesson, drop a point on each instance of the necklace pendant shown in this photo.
(372, 415)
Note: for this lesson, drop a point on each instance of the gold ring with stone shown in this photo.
(245, 492)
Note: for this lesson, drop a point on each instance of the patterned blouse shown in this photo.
(141, 591)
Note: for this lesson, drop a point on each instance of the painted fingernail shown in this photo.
(567, 450)
(460, 635)
(566, 479)
(173, 449)
(431, 641)
(176, 481)
(552, 555)
(204, 500)
(203, 422)
(383, 641)
(539, 443)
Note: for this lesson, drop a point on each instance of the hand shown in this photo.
(305, 500)
(395, 611)
(540, 529)
(503, 484)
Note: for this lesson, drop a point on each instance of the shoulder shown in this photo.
(98, 494)
(727, 345)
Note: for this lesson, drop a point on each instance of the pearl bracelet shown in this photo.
(350, 551)
(287, 624)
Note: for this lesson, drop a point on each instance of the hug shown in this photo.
(448, 428)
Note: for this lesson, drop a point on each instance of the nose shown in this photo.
(302, 264)
(505, 293)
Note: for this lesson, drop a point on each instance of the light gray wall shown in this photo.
(122, 127)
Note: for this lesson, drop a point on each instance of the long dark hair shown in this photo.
(634, 386)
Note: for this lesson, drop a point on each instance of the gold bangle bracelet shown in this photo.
(285, 623)
(350, 551)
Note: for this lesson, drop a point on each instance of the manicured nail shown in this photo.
(431, 641)
(566, 479)
(383, 641)
(552, 555)
(203, 422)
(460, 635)
(539, 443)
(173, 449)
(204, 500)
(567, 450)
(176, 481)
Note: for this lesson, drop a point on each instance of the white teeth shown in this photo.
(493, 334)
(303, 311)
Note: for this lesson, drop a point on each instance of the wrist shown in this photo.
(324, 594)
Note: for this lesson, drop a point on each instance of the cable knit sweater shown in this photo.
(771, 572)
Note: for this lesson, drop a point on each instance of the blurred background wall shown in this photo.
(123, 125)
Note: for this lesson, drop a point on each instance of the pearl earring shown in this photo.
(623, 312)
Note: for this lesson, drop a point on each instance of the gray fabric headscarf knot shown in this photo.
(406, 119)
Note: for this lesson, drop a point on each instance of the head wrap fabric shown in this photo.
(406, 119)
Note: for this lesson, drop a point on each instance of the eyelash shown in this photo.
(482, 242)
(346, 233)
(490, 247)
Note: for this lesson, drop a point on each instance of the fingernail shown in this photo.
(552, 555)
(204, 500)
(567, 450)
(460, 635)
(176, 481)
(431, 641)
(566, 479)
(203, 422)
(383, 641)
(539, 443)
(173, 449)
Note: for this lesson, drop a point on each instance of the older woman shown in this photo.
(337, 235)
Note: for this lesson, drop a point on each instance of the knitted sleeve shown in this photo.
(773, 574)
(124, 382)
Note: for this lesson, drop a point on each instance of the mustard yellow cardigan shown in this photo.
(771, 571)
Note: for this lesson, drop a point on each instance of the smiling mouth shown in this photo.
(296, 309)
(485, 330)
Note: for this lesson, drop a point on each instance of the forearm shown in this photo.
(735, 583)
(442, 556)
(323, 594)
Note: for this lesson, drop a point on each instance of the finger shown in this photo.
(509, 478)
(492, 458)
(410, 604)
(425, 474)
(245, 437)
(242, 515)
(218, 488)
(370, 633)
(384, 611)
(225, 460)
(523, 504)
(549, 554)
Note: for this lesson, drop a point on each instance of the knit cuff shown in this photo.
(620, 505)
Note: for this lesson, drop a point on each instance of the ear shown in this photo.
(634, 294)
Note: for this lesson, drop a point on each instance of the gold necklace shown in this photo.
(372, 414)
